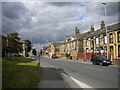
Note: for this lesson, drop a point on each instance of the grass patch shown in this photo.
(20, 72)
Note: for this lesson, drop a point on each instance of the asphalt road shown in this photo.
(94, 76)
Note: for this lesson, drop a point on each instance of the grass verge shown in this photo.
(20, 72)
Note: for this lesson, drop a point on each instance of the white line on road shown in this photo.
(82, 85)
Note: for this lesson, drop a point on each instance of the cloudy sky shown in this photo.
(43, 22)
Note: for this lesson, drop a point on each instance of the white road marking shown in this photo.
(82, 85)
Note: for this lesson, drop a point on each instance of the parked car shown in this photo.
(54, 56)
(101, 60)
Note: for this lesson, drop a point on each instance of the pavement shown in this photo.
(51, 78)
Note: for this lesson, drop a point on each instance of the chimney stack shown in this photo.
(92, 28)
(66, 38)
(102, 25)
(76, 32)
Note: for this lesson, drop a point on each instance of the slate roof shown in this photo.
(57, 43)
(114, 27)
(81, 36)
(109, 28)
(96, 33)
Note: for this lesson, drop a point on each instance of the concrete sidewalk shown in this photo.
(51, 78)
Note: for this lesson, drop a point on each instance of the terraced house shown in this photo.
(70, 45)
(74, 45)
(93, 42)
(55, 47)
(96, 42)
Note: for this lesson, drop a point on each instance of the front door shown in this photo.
(111, 52)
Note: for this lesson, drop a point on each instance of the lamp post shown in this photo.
(39, 60)
(106, 27)
(31, 35)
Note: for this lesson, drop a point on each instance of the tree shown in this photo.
(34, 51)
(13, 36)
(17, 47)
(41, 52)
(29, 45)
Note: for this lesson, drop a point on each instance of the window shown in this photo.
(100, 39)
(92, 50)
(111, 38)
(92, 42)
(118, 50)
(97, 49)
(86, 42)
(105, 39)
(119, 37)
(105, 49)
(7, 42)
(111, 49)
(97, 41)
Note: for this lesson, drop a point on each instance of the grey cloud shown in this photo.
(53, 21)
(13, 10)
(112, 8)
(61, 4)
(99, 9)
(12, 13)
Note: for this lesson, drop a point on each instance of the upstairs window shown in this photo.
(105, 39)
(119, 37)
(91, 42)
(97, 41)
(86, 42)
(111, 38)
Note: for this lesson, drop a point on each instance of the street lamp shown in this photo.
(39, 60)
(106, 27)
(31, 35)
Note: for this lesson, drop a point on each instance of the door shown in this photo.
(111, 52)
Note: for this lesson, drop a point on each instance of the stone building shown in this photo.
(97, 41)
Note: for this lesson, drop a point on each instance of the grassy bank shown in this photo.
(20, 72)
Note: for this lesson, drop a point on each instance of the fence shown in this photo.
(61, 55)
(87, 56)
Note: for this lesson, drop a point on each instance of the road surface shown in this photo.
(86, 74)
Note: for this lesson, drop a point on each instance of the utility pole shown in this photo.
(106, 27)
(39, 61)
